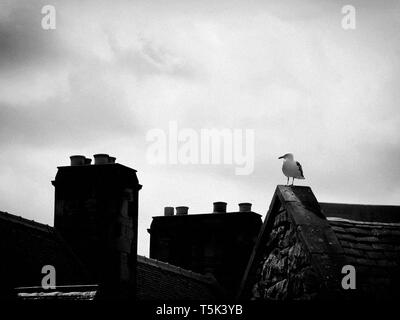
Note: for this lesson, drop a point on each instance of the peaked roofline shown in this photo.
(326, 254)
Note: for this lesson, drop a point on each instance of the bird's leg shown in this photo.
(293, 181)
(287, 183)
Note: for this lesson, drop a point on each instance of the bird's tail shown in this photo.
(301, 178)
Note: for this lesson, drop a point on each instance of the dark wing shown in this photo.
(300, 168)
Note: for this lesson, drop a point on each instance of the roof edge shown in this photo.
(208, 279)
(26, 222)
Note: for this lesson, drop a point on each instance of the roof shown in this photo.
(26, 246)
(158, 280)
(204, 218)
(362, 212)
(373, 248)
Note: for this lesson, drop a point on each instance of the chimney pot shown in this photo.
(181, 210)
(88, 161)
(101, 158)
(77, 160)
(244, 207)
(111, 159)
(219, 207)
(168, 211)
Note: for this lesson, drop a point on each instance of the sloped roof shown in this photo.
(158, 280)
(26, 246)
(362, 212)
(373, 248)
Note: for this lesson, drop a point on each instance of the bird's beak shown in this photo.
(281, 157)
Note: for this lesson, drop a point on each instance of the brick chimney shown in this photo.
(96, 212)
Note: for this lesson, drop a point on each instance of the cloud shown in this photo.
(112, 71)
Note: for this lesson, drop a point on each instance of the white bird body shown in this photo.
(291, 168)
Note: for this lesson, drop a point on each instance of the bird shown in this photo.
(291, 168)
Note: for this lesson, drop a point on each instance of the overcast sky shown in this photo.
(113, 70)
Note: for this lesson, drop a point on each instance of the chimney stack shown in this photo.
(96, 212)
(168, 211)
(244, 207)
(180, 211)
(219, 207)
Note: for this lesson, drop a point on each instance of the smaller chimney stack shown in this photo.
(88, 161)
(244, 207)
(101, 158)
(219, 207)
(77, 160)
(168, 211)
(180, 211)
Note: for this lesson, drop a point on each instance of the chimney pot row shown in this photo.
(219, 207)
(100, 158)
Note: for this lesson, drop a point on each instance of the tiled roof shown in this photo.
(26, 246)
(373, 248)
(361, 212)
(157, 280)
(322, 250)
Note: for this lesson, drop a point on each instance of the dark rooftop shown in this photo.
(373, 248)
(158, 280)
(28, 246)
(361, 212)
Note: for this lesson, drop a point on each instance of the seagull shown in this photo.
(291, 168)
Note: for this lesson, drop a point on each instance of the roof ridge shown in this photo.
(26, 222)
(363, 222)
(209, 279)
(360, 204)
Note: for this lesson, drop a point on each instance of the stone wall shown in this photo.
(284, 271)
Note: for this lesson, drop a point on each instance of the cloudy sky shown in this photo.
(113, 70)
